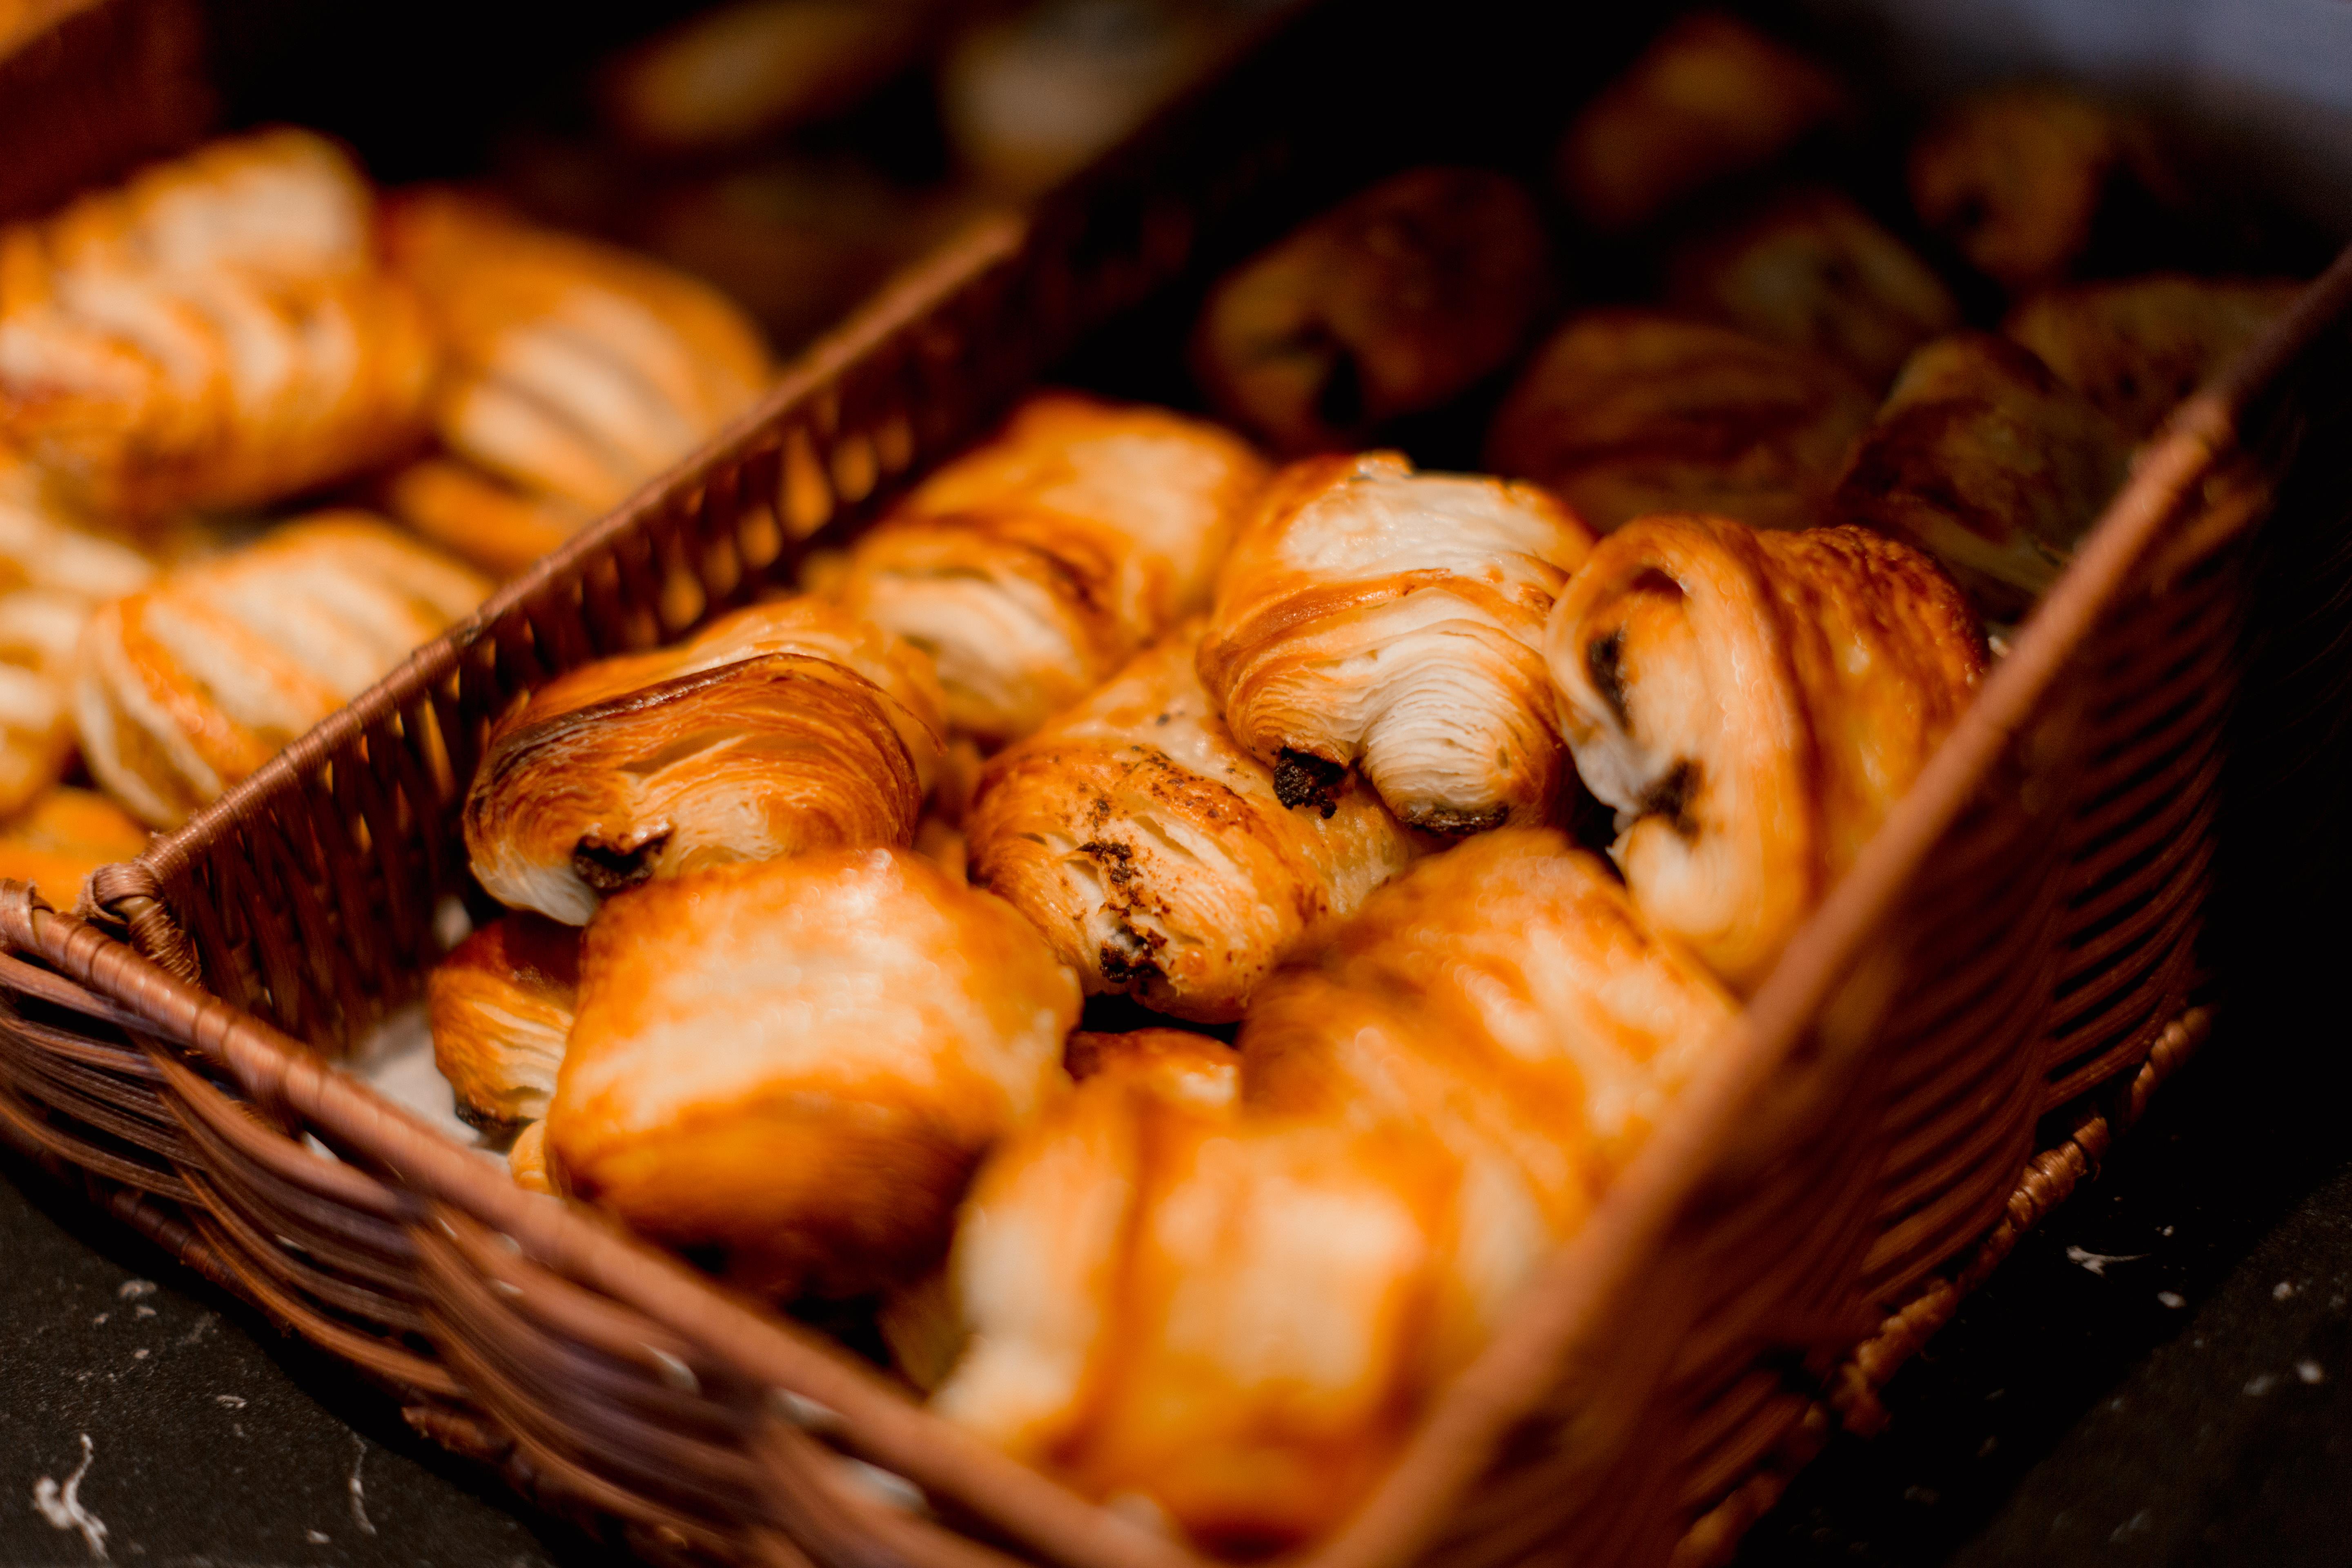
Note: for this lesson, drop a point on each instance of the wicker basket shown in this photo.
(2007, 969)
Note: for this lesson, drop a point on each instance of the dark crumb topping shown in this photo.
(1131, 956)
(1303, 780)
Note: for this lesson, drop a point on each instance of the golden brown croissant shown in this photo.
(1753, 704)
(1375, 618)
(1710, 99)
(1152, 850)
(578, 371)
(785, 727)
(1813, 271)
(1386, 305)
(1984, 460)
(218, 332)
(65, 836)
(796, 1063)
(187, 687)
(2138, 346)
(1037, 563)
(2024, 179)
(500, 1009)
(1625, 413)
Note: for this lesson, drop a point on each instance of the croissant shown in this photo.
(185, 687)
(216, 334)
(1036, 564)
(1376, 619)
(2137, 346)
(1986, 461)
(500, 1009)
(64, 836)
(1753, 705)
(792, 1067)
(1710, 99)
(1152, 850)
(1811, 270)
(1387, 305)
(781, 727)
(1625, 413)
(578, 371)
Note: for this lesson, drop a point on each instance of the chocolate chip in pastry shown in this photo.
(1753, 704)
(2138, 346)
(789, 1068)
(63, 837)
(500, 1009)
(1154, 853)
(1036, 564)
(1625, 413)
(781, 727)
(1811, 270)
(1709, 99)
(1375, 618)
(187, 685)
(1986, 461)
(1387, 305)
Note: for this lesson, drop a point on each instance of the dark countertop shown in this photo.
(2072, 1414)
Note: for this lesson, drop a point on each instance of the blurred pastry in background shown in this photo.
(500, 1009)
(2027, 181)
(63, 837)
(1989, 463)
(2136, 347)
(1628, 412)
(574, 371)
(1389, 304)
(1753, 704)
(1709, 99)
(1154, 853)
(1811, 270)
(783, 728)
(494, 525)
(216, 333)
(1037, 563)
(789, 1068)
(1374, 619)
(187, 685)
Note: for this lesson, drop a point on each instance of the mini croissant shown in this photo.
(189, 685)
(500, 1009)
(792, 1067)
(1152, 850)
(1753, 704)
(1036, 564)
(781, 727)
(1376, 619)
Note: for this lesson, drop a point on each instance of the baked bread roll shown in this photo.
(781, 727)
(1387, 305)
(576, 371)
(185, 687)
(1036, 564)
(1709, 99)
(791, 1068)
(1753, 704)
(1375, 618)
(500, 1009)
(1811, 270)
(218, 332)
(64, 836)
(1986, 461)
(1625, 413)
(2138, 346)
(1153, 852)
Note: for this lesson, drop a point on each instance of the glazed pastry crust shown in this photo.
(1036, 564)
(1154, 853)
(797, 1063)
(1753, 705)
(1375, 618)
(500, 1009)
(1627, 412)
(1388, 304)
(2138, 346)
(779, 728)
